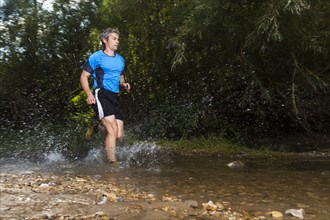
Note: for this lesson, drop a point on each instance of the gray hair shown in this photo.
(106, 33)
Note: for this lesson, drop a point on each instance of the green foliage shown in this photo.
(43, 62)
(197, 68)
(262, 56)
(221, 147)
(82, 112)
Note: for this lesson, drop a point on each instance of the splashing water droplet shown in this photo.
(54, 157)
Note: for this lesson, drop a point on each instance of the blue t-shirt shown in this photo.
(106, 70)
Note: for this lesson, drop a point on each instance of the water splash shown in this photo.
(43, 143)
(138, 154)
(94, 156)
(54, 156)
(60, 147)
(141, 154)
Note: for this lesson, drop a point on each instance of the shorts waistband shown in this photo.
(107, 91)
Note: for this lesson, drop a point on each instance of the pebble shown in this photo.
(299, 213)
(276, 214)
(236, 164)
(99, 213)
(210, 206)
(191, 203)
(44, 185)
(40, 216)
(325, 173)
(302, 206)
(104, 200)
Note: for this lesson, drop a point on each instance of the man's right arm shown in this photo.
(85, 85)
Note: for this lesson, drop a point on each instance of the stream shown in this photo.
(258, 187)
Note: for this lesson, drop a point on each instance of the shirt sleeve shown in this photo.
(91, 64)
(124, 69)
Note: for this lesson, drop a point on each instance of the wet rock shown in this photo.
(99, 214)
(220, 206)
(236, 164)
(150, 198)
(210, 206)
(111, 197)
(302, 206)
(325, 173)
(192, 203)
(40, 216)
(104, 200)
(166, 208)
(299, 213)
(44, 185)
(276, 214)
(4, 209)
(167, 198)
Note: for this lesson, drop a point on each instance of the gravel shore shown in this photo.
(49, 196)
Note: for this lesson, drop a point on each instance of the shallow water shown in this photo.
(258, 187)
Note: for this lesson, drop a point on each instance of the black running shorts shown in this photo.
(107, 103)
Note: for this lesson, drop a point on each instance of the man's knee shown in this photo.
(110, 125)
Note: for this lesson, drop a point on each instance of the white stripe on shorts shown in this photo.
(99, 106)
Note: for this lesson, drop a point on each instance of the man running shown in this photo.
(107, 69)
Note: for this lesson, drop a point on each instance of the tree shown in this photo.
(42, 64)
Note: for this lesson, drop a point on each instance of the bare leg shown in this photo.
(120, 133)
(110, 124)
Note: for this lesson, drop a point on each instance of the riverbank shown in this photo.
(33, 195)
(285, 148)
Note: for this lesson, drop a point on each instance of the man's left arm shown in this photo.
(124, 84)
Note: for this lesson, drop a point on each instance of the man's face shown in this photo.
(113, 41)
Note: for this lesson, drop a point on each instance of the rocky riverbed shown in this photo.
(32, 195)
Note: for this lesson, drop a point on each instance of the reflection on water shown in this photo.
(260, 186)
